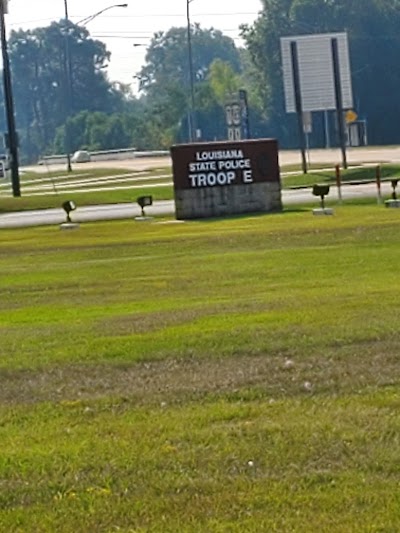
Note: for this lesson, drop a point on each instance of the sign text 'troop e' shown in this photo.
(222, 178)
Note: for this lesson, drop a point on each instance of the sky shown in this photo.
(123, 29)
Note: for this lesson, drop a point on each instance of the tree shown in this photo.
(41, 84)
(372, 27)
(165, 79)
(96, 131)
(223, 80)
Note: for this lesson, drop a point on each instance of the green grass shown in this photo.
(89, 172)
(226, 375)
(327, 174)
(49, 189)
(24, 203)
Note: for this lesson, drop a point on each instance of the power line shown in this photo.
(136, 37)
(137, 16)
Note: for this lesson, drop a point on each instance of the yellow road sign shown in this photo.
(351, 116)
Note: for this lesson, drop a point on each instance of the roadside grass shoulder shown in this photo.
(236, 374)
(327, 174)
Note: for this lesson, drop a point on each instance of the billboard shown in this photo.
(317, 84)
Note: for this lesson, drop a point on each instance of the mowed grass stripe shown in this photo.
(225, 375)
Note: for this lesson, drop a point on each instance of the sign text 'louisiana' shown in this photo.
(225, 178)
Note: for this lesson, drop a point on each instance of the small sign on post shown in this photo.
(237, 117)
(351, 116)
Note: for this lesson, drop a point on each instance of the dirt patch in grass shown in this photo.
(337, 370)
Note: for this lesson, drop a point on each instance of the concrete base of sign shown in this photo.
(170, 222)
(69, 225)
(392, 203)
(323, 211)
(223, 201)
(143, 219)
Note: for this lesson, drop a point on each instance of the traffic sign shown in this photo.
(351, 116)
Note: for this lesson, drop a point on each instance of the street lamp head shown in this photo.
(85, 21)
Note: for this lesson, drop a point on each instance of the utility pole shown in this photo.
(9, 105)
(191, 121)
(68, 71)
(68, 79)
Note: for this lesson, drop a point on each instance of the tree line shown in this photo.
(63, 98)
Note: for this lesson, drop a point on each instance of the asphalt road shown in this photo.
(132, 211)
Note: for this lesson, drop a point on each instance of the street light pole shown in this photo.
(9, 105)
(191, 121)
(68, 78)
(68, 69)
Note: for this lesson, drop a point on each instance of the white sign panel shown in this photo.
(317, 84)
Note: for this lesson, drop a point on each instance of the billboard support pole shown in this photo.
(338, 99)
(299, 107)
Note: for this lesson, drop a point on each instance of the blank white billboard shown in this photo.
(317, 84)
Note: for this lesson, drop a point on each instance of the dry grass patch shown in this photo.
(335, 371)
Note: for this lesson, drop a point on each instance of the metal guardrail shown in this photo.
(106, 155)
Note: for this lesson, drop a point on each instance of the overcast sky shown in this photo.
(121, 28)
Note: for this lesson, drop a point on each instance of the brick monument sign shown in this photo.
(226, 178)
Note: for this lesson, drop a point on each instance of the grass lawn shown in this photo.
(86, 186)
(233, 375)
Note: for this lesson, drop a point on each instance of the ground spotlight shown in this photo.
(68, 206)
(393, 202)
(321, 190)
(394, 185)
(143, 202)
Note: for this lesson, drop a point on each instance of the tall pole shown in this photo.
(191, 121)
(68, 87)
(68, 72)
(9, 105)
(338, 99)
(299, 104)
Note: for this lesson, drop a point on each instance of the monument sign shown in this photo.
(224, 178)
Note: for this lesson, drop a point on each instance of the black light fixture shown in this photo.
(144, 201)
(322, 191)
(11, 138)
(69, 206)
(394, 183)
